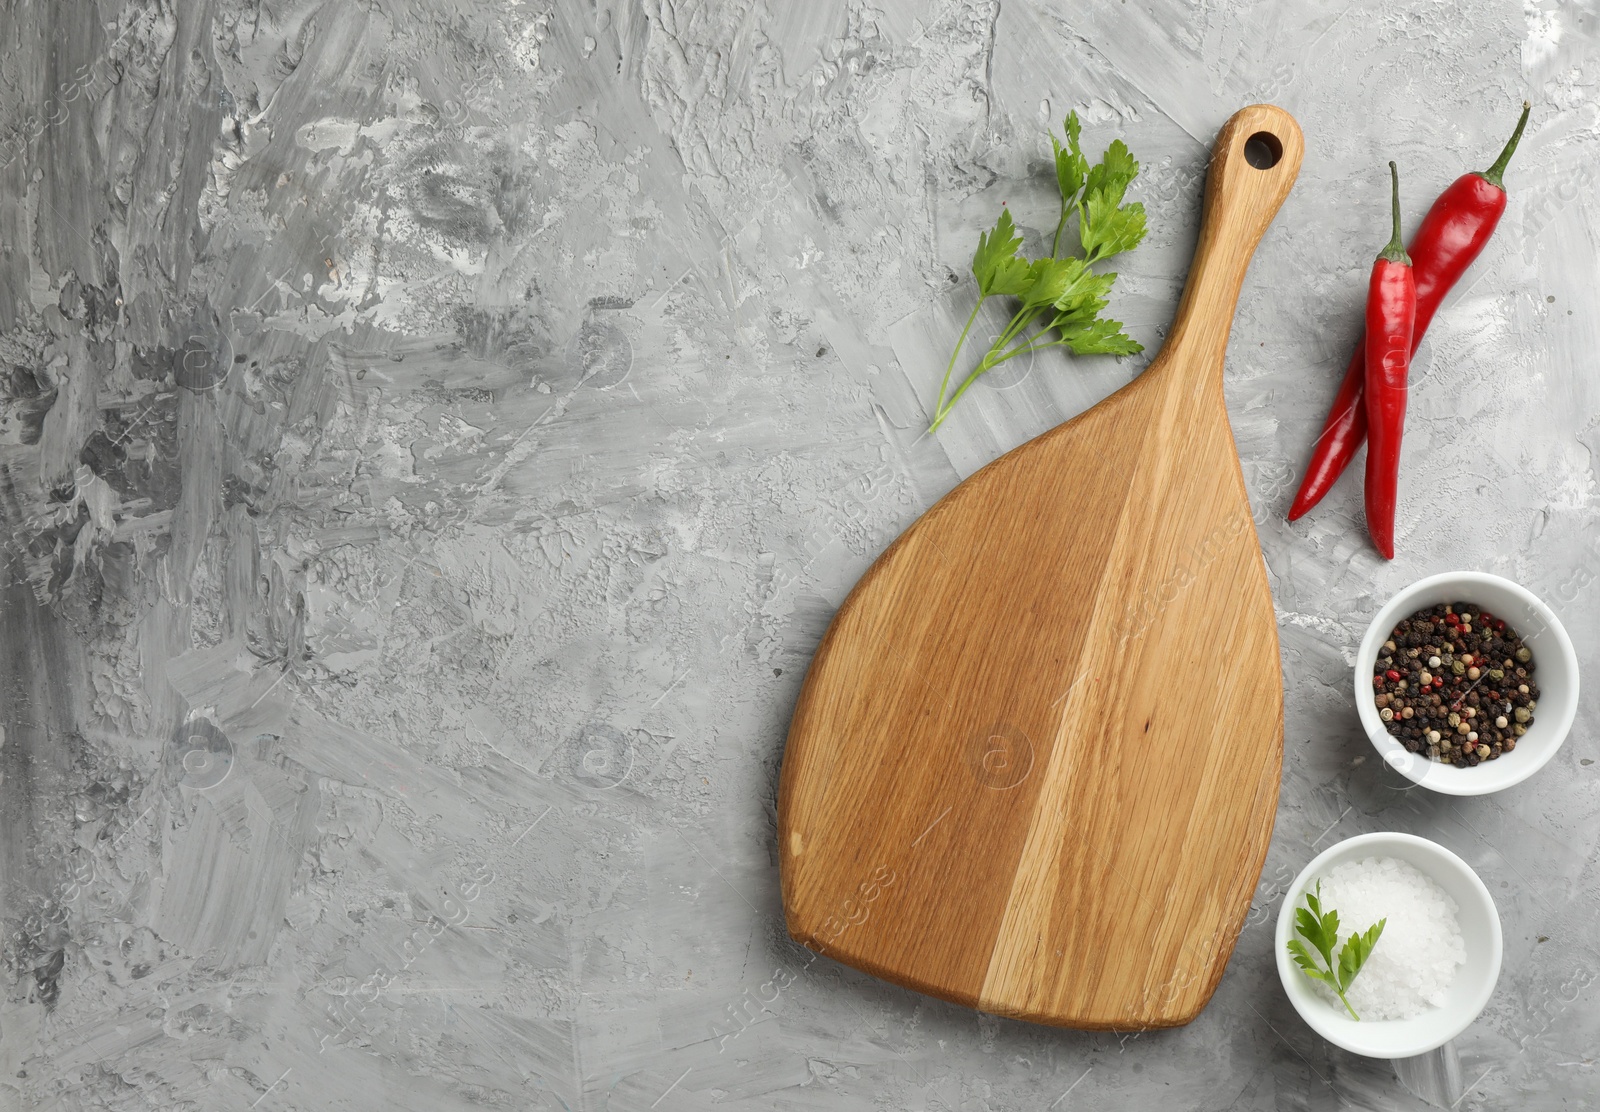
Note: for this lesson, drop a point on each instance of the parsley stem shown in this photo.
(939, 408)
(1348, 1008)
(1055, 244)
(973, 377)
(1031, 344)
(1019, 322)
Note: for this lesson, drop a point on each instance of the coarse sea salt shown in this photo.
(1421, 949)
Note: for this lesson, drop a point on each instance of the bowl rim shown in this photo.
(1321, 1020)
(1447, 779)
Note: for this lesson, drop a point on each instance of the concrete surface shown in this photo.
(436, 433)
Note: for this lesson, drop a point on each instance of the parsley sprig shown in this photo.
(1064, 287)
(1321, 929)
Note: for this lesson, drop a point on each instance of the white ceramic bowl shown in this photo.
(1474, 984)
(1557, 675)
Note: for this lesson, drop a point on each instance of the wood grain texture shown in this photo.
(1035, 762)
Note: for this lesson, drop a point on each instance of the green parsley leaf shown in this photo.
(995, 264)
(1051, 279)
(1304, 960)
(1081, 300)
(1071, 170)
(1322, 931)
(1100, 337)
(1357, 949)
(1071, 166)
(1111, 178)
(1107, 230)
(1106, 226)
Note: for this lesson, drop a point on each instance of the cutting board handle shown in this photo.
(1253, 166)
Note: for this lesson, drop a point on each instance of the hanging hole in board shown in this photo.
(1262, 150)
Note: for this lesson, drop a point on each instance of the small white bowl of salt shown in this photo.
(1433, 966)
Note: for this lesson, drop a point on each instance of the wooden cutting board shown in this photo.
(1035, 762)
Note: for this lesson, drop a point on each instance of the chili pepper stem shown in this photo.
(1395, 252)
(1494, 173)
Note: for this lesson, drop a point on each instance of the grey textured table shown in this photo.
(437, 433)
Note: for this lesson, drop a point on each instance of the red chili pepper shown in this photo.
(1451, 236)
(1391, 320)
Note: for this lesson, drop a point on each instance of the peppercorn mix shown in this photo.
(1455, 683)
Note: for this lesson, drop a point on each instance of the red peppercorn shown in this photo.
(1377, 681)
(1452, 619)
(1499, 626)
(1392, 674)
